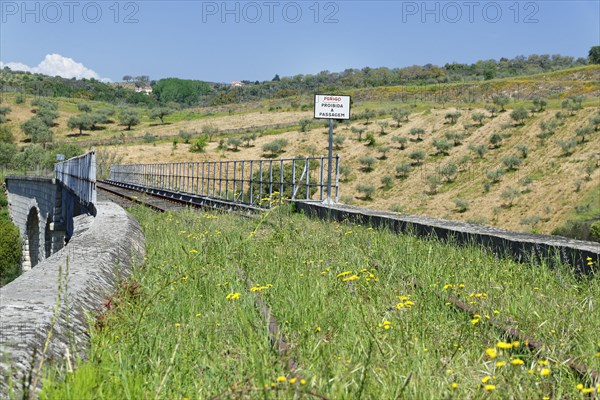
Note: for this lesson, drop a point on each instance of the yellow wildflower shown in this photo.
(177, 325)
(545, 372)
(500, 363)
(517, 361)
(343, 274)
(454, 385)
(543, 362)
(198, 315)
(302, 382)
(293, 380)
(233, 296)
(485, 379)
(516, 344)
(489, 388)
(587, 390)
(193, 251)
(491, 353)
(350, 278)
(281, 378)
(475, 321)
(579, 386)
(503, 345)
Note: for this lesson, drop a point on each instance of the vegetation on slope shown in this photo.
(186, 324)
(10, 242)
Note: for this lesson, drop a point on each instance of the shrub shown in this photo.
(523, 150)
(338, 141)
(580, 230)
(401, 140)
(453, 116)
(462, 205)
(478, 117)
(366, 189)
(433, 181)
(402, 170)
(509, 194)
(367, 163)
(10, 251)
(199, 145)
(371, 141)
(382, 127)
(418, 132)
(248, 137)
(511, 162)
(344, 171)
(304, 124)
(583, 132)
(567, 146)
(455, 138)
(495, 140)
(417, 156)
(478, 149)
(519, 115)
(275, 147)
(149, 138)
(234, 143)
(449, 172)
(186, 135)
(496, 175)
(358, 131)
(442, 146)
(387, 181)
(383, 151)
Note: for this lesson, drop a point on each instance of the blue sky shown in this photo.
(254, 40)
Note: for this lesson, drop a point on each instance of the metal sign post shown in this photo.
(331, 107)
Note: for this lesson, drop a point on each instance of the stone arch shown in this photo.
(32, 237)
(48, 238)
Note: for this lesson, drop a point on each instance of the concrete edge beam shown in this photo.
(517, 245)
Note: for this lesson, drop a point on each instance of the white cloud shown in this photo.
(55, 64)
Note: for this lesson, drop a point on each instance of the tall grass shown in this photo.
(345, 299)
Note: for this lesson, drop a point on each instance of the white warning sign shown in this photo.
(328, 106)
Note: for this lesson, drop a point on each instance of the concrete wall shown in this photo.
(519, 246)
(101, 252)
(43, 197)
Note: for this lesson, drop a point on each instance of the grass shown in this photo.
(345, 300)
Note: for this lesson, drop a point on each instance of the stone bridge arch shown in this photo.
(32, 240)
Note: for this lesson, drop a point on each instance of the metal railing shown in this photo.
(78, 174)
(240, 181)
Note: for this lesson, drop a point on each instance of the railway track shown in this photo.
(276, 337)
(127, 197)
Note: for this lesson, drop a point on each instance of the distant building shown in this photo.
(145, 89)
(236, 83)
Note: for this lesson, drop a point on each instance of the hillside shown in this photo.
(554, 182)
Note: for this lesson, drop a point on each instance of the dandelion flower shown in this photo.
(587, 390)
(177, 325)
(454, 385)
(545, 372)
(489, 388)
(516, 344)
(579, 386)
(302, 382)
(491, 353)
(543, 362)
(343, 274)
(485, 379)
(198, 315)
(293, 380)
(517, 361)
(281, 378)
(233, 296)
(503, 345)
(500, 363)
(475, 321)
(193, 251)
